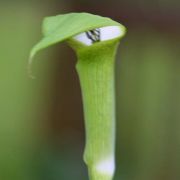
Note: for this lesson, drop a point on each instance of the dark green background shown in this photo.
(41, 120)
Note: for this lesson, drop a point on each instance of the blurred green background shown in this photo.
(41, 120)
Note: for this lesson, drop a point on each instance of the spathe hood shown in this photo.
(63, 27)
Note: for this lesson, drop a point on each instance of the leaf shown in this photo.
(62, 27)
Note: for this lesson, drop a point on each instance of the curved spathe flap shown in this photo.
(62, 27)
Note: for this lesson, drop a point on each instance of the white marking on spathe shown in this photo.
(106, 33)
(106, 166)
(83, 38)
(110, 32)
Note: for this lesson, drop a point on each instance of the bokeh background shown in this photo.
(41, 121)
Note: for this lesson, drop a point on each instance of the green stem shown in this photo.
(95, 68)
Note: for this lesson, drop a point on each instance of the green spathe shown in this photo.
(95, 67)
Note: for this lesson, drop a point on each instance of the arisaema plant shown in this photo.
(95, 40)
